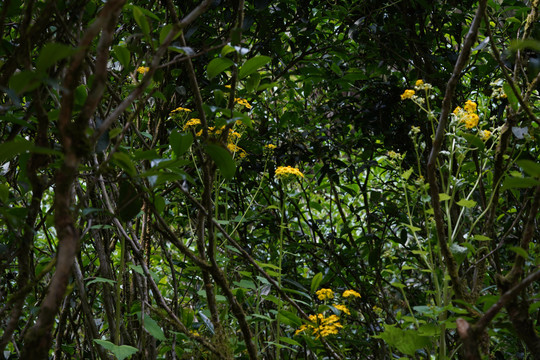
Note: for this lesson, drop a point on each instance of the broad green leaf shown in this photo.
(520, 251)
(407, 174)
(101, 280)
(153, 328)
(444, 197)
(123, 161)
(466, 203)
(24, 81)
(223, 160)
(253, 65)
(398, 285)
(51, 53)
(474, 140)
(180, 142)
(141, 20)
(121, 352)
(530, 167)
(122, 54)
(406, 341)
(247, 284)
(165, 31)
(289, 318)
(316, 281)
(217, 66)
(519, 183)
(9, 150)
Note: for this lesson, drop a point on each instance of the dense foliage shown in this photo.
(270, 179)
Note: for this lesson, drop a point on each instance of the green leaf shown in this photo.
(530, 167)
(406, 341)
(516, 45)
(289, 341)
(24, 81)
(316, 281)
(481, 238)
(101, 280)
(474, 140)
(223, 160)
(122, 54)
(141, 20)
(444, 197)
(123, 161)
(217, 66)
(51, 53)
(520, 251)
(165, 31)
(466, 203)
(180, 142)
(10, 149)
(252, 65)
(153, 328)
(289, 318)
(519, 183)
(512, 99)
(407, 174)
(121, 352)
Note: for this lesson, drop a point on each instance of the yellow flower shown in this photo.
(457, 110)
(325, 326)
(236, 149)
(243, 102)
(142, 69)
(233, 135)
(343, 308)
(470, 106)
(348, 293)
(470, 120)
(228, 86)
(286, 171)
(419, 82)
(408, 94)
(192, 123)
(325, 294)
(178, 109)
(484, 134)
(393, 155)
(270, 147)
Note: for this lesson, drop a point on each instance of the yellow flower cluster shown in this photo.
(325, 294)
(178, 109)
(243, 102)
(484, 134)
(407, 94)
(192, 123)
(270, 146)
(348, 293)
(236, 149)
(468, 114)
(286, 171)
(324, 326)
(142, 69)
(343, 309)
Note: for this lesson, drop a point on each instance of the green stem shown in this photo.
(118, 288)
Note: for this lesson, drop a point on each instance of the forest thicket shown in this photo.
(269, 179)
